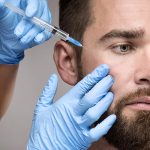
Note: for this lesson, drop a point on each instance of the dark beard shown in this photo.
(130, 134)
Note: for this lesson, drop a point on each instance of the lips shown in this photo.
(142, 103)
(145, 99)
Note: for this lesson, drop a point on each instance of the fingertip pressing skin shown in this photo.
(104, 104)
(95, 95)
(102, 70)
(102, 87)
(90, 80)
(95, 112)
(102, 128)
(108, 123)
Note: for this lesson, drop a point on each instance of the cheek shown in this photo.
(121, 71)
(123, 75)
(89, 62)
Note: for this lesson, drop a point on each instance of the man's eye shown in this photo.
(122, 48)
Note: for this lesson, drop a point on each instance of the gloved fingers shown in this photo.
(27, 38)
(33, 6)
(36, 29)
(49, 91)
(23, 27)
(95, 112)
(90, 80)
(94, 95)
(43, 36)
(101, 129)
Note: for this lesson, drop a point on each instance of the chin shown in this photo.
(129, 114)
(131, 130)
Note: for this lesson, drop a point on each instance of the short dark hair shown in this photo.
(74, 17)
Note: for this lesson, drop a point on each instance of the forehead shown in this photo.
(121, 13)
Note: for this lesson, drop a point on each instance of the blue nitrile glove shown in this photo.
(65, 124)
(16, 33)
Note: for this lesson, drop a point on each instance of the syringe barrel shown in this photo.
(50, 28)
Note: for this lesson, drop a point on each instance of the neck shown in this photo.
(102, 145)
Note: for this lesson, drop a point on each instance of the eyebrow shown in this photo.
(127, 34)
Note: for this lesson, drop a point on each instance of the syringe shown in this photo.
(54, 30)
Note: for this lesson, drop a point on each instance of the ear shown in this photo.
(66, 62)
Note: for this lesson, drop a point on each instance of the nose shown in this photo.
(142, 73)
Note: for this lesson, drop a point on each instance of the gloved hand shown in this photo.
(16, 33)
(66, 123)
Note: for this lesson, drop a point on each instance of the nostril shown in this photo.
(146, 81)
(142, 75)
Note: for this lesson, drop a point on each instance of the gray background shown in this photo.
(33, 73)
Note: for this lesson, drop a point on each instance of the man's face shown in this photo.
(120, 37)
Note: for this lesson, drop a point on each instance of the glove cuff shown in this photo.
(10, 60)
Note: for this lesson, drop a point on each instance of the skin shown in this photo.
(132, 70)
(131, 67)
(8, 75)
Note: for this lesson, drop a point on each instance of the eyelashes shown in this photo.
(122, 48)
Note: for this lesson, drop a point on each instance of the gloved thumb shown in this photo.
(48, 93)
